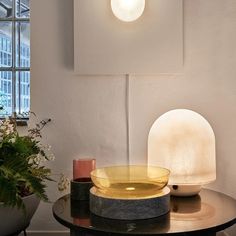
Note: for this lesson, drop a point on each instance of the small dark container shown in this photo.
(79, 188)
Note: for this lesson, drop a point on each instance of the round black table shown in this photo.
(204, 214)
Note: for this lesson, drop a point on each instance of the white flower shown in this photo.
(51, 157)
(12, 140)
(63, 183)
(36, 159)
(48, 147)
(47, 150)
(6, 127)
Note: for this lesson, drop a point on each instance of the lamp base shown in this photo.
(184, 190)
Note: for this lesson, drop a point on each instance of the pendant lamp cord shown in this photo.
(127, 84)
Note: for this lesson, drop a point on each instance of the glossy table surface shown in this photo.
(204, 214)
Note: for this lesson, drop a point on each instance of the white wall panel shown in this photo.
(105, 45)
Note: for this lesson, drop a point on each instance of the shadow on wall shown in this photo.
(65, 8)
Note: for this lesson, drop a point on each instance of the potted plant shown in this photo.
(22, 175)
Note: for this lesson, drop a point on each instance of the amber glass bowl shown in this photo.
(130, 181)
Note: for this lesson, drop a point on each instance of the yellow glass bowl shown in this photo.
(130, 181)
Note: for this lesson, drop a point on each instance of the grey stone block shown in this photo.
(129, 209)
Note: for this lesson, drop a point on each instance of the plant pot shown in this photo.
(14, 219)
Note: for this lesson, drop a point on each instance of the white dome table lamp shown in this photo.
(184, 142)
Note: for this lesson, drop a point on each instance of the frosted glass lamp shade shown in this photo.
(184, 142)
(127, 10)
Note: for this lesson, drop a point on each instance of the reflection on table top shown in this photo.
(209, 211)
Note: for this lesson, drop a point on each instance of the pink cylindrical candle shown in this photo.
(82, 168)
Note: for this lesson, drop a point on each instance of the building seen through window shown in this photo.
(14, 57)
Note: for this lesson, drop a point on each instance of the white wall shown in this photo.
(125, 46)
(88, 113)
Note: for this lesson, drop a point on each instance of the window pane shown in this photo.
(14, 86)
(22, 39)
(5, 8)
(22, 8)
(5, 44)
(22, 92)
(5, 93)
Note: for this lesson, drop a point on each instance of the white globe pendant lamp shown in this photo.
(127, 10)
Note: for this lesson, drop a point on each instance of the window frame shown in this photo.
(14, 68)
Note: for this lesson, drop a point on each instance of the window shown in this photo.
(14, 57)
